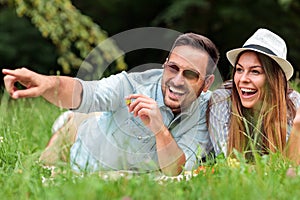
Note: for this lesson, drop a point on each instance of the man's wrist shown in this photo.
(161, 131)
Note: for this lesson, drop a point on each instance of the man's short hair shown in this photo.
(203, 43)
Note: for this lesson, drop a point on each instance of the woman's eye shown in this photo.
(239, 70)
(255, 72)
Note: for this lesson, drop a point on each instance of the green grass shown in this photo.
(25, 128)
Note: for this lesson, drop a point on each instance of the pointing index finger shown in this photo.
(16, 72)
(6, 71)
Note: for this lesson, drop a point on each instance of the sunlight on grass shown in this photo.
(25, 128)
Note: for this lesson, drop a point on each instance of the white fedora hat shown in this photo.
(268, 43)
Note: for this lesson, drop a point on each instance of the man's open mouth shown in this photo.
(176, 93)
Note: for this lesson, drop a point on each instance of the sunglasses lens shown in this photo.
(189, 75)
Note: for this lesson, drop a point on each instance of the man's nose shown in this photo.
(179, 79)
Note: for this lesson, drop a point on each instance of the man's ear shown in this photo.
(167, 59)
(208, 82)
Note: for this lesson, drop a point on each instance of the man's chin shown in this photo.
(178, 105)
(174, 106)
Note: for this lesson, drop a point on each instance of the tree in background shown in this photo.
(74, 34)
(117, 16)
(230, 22)
(227, 22)
(21, 44)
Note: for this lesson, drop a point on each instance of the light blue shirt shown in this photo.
(116, 140)
(220, 114)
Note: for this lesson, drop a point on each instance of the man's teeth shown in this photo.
(174, 90)
(247, 90)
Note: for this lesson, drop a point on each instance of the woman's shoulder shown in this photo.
(294, 93)
(223, 93)
(295, 97)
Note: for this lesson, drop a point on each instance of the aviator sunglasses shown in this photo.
(190, 75)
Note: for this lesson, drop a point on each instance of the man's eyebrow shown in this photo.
(184, 66)
(172, 62)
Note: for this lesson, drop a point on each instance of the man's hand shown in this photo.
(61, 91)
(34, 83)
(147, 110)
(171, 158)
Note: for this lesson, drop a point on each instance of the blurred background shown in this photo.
(54, 36)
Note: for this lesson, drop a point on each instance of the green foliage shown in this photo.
(178, 9)
(116, 16)
(20, 41)
(230, 22)
(75, 35)
(25, 130)
(227, 22)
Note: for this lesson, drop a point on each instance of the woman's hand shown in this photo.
(293, 144)
(296, 121)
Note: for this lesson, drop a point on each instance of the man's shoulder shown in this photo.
(205, 96)
(145, 75)
(146, 78)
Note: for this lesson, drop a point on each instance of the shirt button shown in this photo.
(139, 137)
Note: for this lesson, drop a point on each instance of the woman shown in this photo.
(256, 111)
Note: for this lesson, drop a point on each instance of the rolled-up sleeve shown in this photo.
(106, 94)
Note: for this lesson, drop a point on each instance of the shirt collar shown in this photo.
(159, 97)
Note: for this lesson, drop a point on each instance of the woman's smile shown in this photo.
(249, 79)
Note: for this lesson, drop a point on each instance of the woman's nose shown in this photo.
(244, 77)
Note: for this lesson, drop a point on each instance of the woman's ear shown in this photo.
(208, 82)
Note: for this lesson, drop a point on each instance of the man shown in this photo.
(153, 120)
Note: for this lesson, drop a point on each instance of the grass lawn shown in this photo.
(25, 128)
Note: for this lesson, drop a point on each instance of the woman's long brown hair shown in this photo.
(269, 127)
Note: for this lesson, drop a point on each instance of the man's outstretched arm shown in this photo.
(61, 91)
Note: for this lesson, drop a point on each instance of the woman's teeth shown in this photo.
(248, 91)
